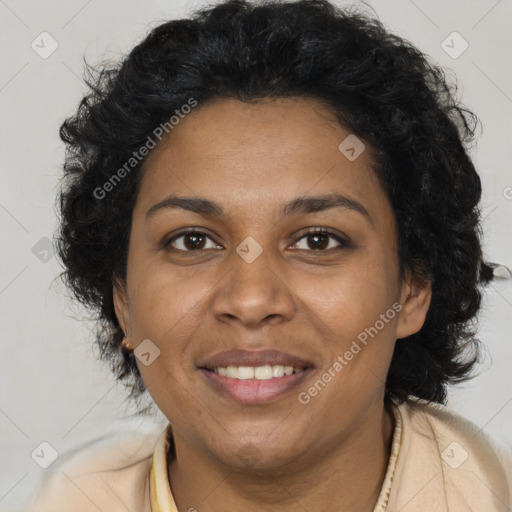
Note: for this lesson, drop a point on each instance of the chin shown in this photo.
(252, 457)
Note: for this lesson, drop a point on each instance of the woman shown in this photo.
(272, 209)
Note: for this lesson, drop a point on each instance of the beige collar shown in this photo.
(163, 501)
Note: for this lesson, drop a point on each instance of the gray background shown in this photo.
(52, 388)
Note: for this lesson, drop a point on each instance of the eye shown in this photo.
(196, 240)
(319, 240)
(193, 240)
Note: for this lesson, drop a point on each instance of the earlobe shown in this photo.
(415, 304)
(121, 306)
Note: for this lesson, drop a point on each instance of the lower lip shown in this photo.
(254, 391)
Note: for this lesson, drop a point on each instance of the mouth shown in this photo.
(255, 385)
(254, 376)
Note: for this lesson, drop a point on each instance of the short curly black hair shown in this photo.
(380, 87)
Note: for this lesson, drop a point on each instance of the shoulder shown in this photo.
(107, 473)
(457, 435)
(449, 462)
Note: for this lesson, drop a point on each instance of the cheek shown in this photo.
(168, 309)
(163, 300)
(169, 387)
(354, 297)
(167, 312)
(360, 308)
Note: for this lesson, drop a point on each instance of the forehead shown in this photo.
(259, 154)
(227, 128)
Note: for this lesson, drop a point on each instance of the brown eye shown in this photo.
(189, 241)
(320, 240)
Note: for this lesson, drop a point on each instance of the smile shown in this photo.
(255, 385)
(264, 372)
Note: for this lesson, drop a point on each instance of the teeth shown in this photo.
(278, 371)
(245, 372)
(288, 370)
(265, 372)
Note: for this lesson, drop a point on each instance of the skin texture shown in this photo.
(329, 454)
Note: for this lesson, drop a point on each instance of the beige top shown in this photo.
(439, 461)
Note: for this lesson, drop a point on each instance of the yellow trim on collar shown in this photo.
(159, 490)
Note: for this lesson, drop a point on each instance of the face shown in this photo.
(253, 275)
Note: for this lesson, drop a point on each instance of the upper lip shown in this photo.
(238, 357)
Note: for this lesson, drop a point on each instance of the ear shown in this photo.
(415, 300)
(121, 306)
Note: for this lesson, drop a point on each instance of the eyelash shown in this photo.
(343, 242)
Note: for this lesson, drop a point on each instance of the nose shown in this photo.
(253, 292)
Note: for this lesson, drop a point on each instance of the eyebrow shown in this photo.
(298, 206)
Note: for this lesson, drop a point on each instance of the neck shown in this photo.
(347, 477)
